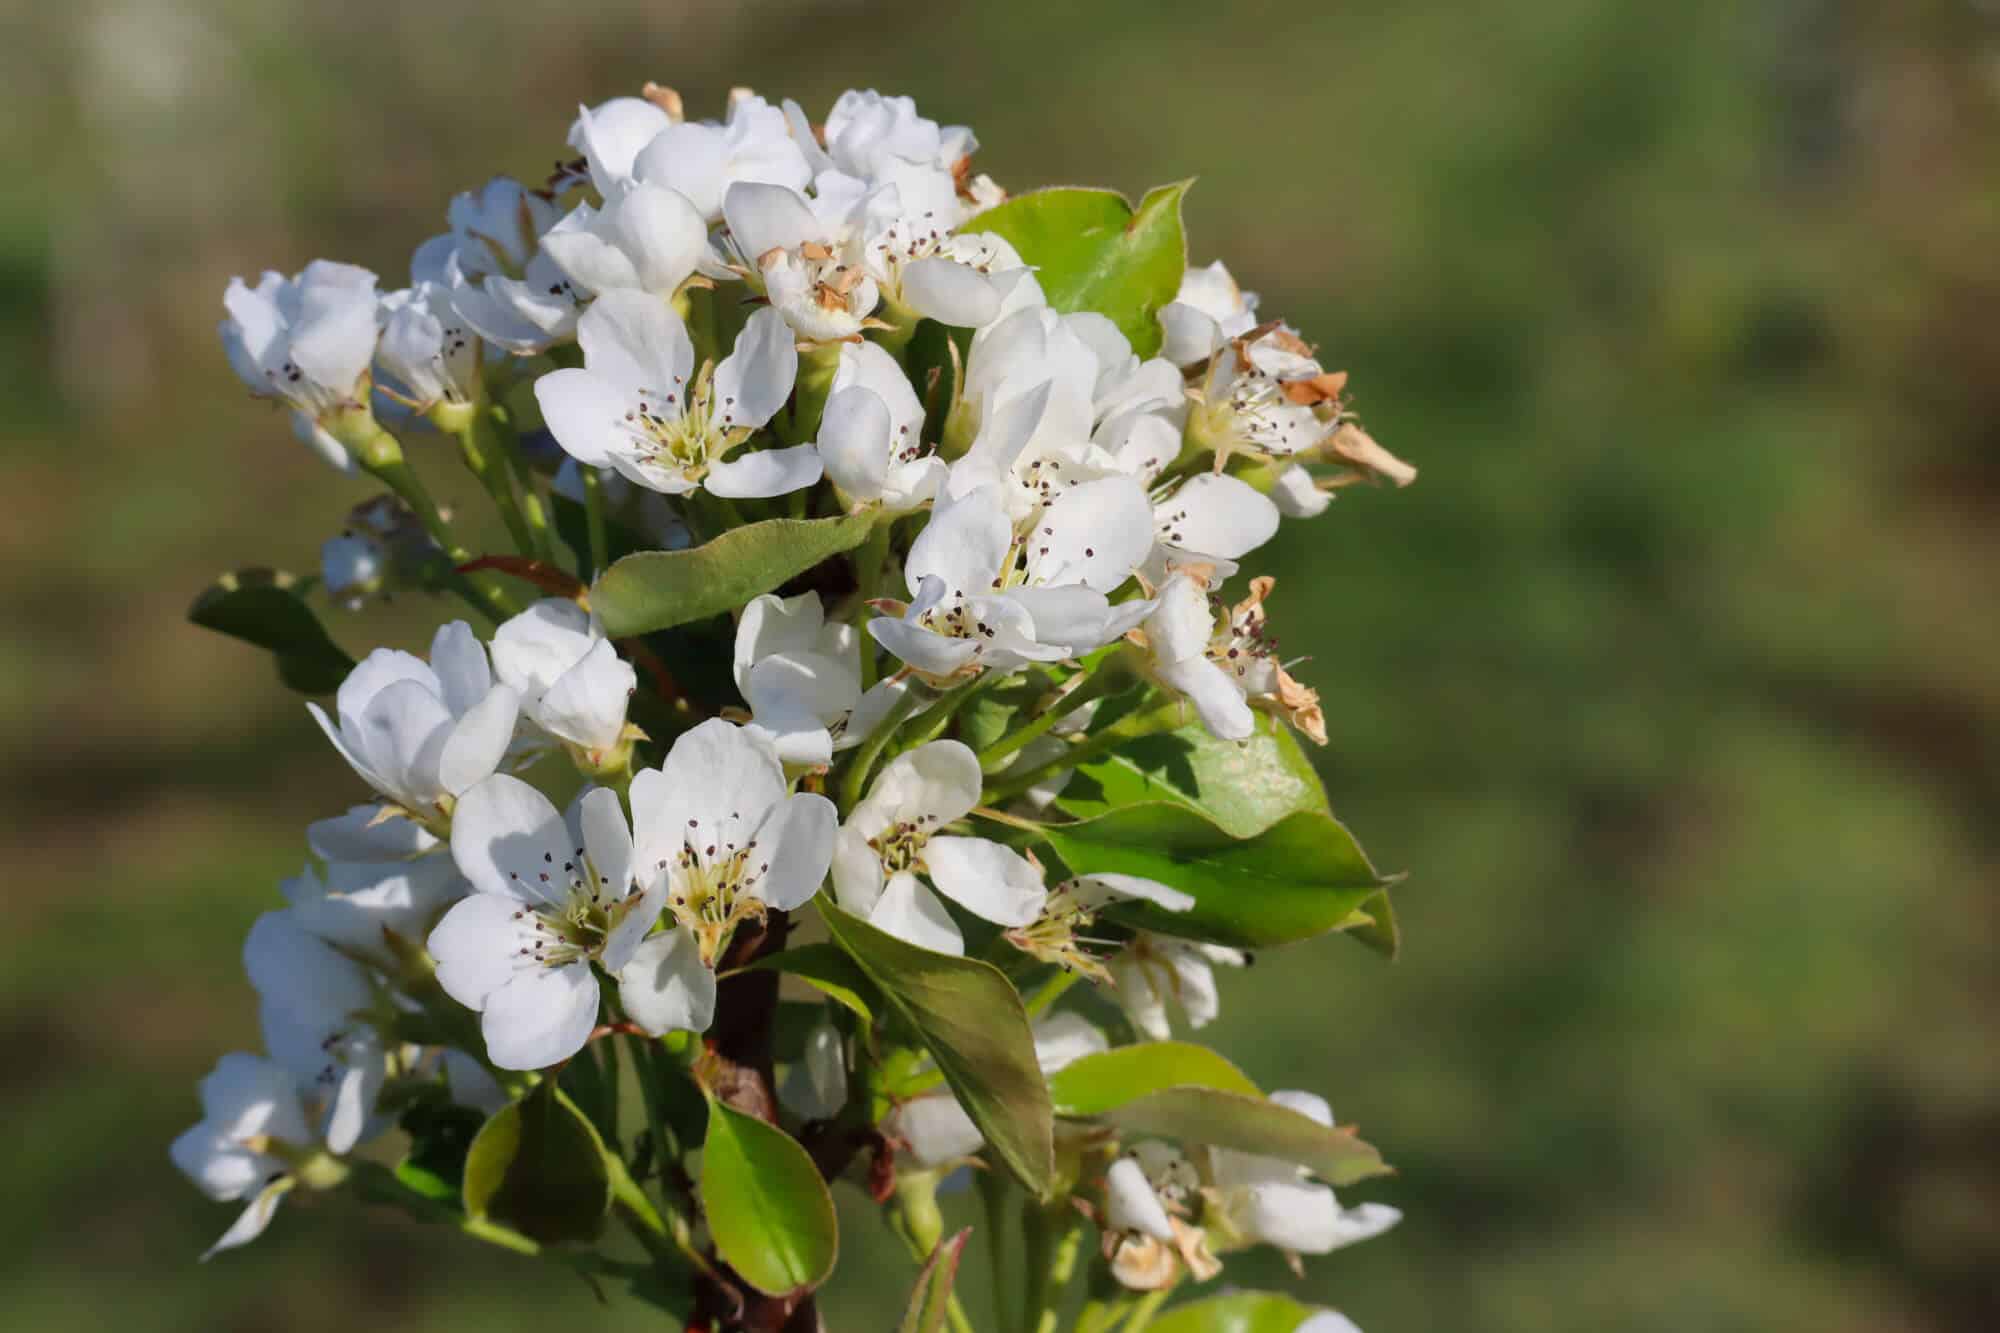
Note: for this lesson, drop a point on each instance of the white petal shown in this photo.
(857, 872)
(912, 913)
(722, 781)
(402, 734)
(854, 441)
(931, 785)
(665, 986)
(766, 472)
(988, 880)
(1073, 617)
(245, 1096)
(586, 704)
(796, 842)
(663, 234)
(506, 839)
(755, 379)
(251, 1222)
(361, 835)
(1217, 515)
(458, 660)
(1216, 697)
(950, 293)
(1131, 1205)
(635, 341)
(1095, 534)
(963, 544)
(1064, 1037)
(803, 683)
(375, 673)
(936, 1129)
(477, 947)
(923, 649)
(816, 1086)
(542, 1016)
(1308, 1104)
(479, 741)
(1328, 1321)
(1095, 889)
(1292, 1216)
(606, 840)
(1189, 334)
(585, 412)
(768, 217)
(353, 1104)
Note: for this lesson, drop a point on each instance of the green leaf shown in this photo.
(1299, 878)
(767, 1207)
(440, 1136)
(970, 1018)
(267, 607)
(1244, 786)
(1250, 1124)
(1109, 1079)
(538, 1166)
(825, 968)
(1378, 930)
(660, 589)
(1092, 251)
(931, 1300)
(1238, 1312)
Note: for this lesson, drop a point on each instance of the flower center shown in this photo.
(901, 845)
(711, 884)
(685, 429)
(584, 907)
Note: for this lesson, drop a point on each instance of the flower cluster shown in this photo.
(865, 629)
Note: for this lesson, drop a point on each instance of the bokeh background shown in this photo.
(1674, 683)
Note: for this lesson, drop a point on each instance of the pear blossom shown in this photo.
(376, 910)
(1072, 907)
(1207, 311)
(1154, 970)
(645, 238)
(884, 141)
(1148, 1192)
(501, 284)
(421, 733)
(720, 841)
(801, 676)
(638, 404)
(315, 1013)
(987, 597)
(306, 340)
(892, 837)
(572, 683)
(611, 135)
(959, 279)
(700, 159)
(250, 1107)
(1213, 517)
(1266, 396)
(782, 246)
(552, 892)
(1297, 494)
(933, 1129)
(1255, 1200)
(871, 433)
(430, 356)
(1223, 661)
(371, 834)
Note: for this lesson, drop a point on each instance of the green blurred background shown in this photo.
(1674, 683)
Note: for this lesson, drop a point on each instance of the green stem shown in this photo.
(478, 448)
(533, 511)
(593, 508)
(902, 321)
(930, 724)
(856, 778)
(993, 1194)
(1084, 691)
(1050, 1282)
(381, 457)
(1148, 1306)
(1050, 992)
(1103, 1316)
(1166, 717)
(869, 559)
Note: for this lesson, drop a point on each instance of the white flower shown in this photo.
(1264, 1200)
(984, 596)
(801, 676)
(871, 433)
(572, 683)
(1215, 518)
(1225, 661)
(248, 1105)
(893, 836)
(552, 892)
(315, 1017)
(720, 841)
(815, 1088)
(637, 403)
(1056, 936)
(1269, 398)
(701, 159)
(960, 280)
(934, 1128)
(374, 909)
(782, 246)
(884, 141)
(429, 354)
(500, 283)
(1155, 969)
(1208, 310)
(369, 833)
(1147, 1193)
(306, 340)
(611, 135)
(421, 733)
(645, 238)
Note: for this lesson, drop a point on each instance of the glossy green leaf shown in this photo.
(970, 1018)
(1299, 878)
(767, 1207)
(1107, 1080)
(1377, 929)
(538, 1166)
(1244, 786)
(930, 1303)
(267, 607)
(1238, 1312)
(828, 970)
(660, 589)
(1253, 1125)
(1093, 251)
